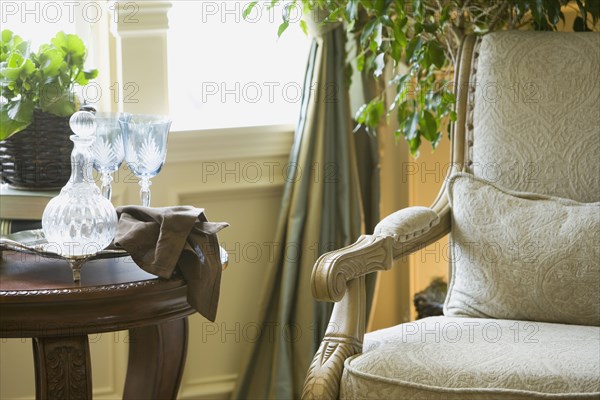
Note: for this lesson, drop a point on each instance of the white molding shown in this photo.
(216, 387)
(134, 18)
(234, 192)
(230, 143)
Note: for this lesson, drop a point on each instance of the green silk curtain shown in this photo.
(322, 210)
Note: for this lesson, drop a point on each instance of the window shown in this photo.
(227, 71)
(39, 21)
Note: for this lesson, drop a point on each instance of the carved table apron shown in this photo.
(38, 299)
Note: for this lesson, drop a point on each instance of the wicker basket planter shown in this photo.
(38, 157)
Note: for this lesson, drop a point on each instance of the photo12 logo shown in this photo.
(250, 12)
(67, 11)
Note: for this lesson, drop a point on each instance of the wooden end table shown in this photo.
(39, 300)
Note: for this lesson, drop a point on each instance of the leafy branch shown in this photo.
(419, 40)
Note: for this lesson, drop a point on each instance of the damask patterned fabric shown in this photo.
(522, 256)
(407, 223)
(536, 118)
(445, 358)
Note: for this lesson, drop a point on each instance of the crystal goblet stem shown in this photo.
(106, 187)
(145, 191)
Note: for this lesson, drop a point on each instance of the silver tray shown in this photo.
(34, 242)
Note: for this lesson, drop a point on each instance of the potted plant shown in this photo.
(36, 100)
(419, 41)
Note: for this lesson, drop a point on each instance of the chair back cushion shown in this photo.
(522, 256)
(535, 119)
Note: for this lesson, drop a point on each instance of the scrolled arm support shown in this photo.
(393, 236)
(333, 270)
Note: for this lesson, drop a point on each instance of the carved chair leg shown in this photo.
(62, 368)
(343, 339)
(156, 360)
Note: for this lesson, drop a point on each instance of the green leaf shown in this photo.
(248, 9)
(414, 45)
(17, 67)
(60, 104)
(379, 65)
(303, 26)
(430, 27)
(414, 145)
(68, 43)
(21, 110)
(400, 37)
(15, 61)
(429, 126)
(50, 61)
(367, 32)
(379, 7)
(553, 12)
(284, 25)
(593, 7)
(361, 114)
(413, 127)
(80, 79)
(396, 51)
(360, 61)
(418, 7)
(9, 126)
(351, 9)
(375, 110)
(402, 113)
(6, 35)
(436, 54)
(91, 74)
(377, 38)
(583, 12)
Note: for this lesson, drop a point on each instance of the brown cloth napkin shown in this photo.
(160, 239)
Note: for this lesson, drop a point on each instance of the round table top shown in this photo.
(39, 298)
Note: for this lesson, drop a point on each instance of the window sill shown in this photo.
(230, 143)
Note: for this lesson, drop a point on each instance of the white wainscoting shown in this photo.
(237, 175)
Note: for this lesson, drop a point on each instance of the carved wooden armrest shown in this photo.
(338, 276)
(397, 234)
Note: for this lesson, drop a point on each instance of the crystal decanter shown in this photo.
(79, 222)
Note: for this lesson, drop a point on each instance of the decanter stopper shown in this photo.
(79, 221)
(83, 124)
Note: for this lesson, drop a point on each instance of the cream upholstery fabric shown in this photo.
(407, 223)
(522, 256)
(536, 119)
(468, 358)
(528, 119)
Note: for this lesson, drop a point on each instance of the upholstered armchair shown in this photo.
(522, 315)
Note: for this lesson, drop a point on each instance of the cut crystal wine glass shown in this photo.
(109, 148)
(145, 148)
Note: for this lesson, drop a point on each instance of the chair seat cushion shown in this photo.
(475, 358)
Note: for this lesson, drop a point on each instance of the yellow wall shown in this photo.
(425, 176)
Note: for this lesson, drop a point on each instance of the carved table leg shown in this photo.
(156, 360)
(62, 368)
